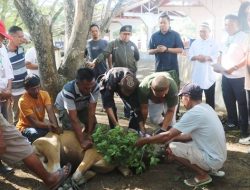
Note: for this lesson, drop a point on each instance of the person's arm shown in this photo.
(144, 112)
(168, 118)
(109, 59)
(91, 118)
(159, 138)
(31, 66)
(6, 93)
(136, 53)
(52, 119)
(2, 143)
(111, 116)
(34, 122)
(76, 125)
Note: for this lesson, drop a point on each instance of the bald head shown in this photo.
(160, 83)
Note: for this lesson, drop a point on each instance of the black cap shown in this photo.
(126, 28)
(193, 90)
(31, 80)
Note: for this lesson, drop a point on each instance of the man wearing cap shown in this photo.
(203, 53)
(158, 98)
(202, 142)
(16, 55)
(6, 76)
(32, 105)
(165, 45)
(124, 52)
(122, 81)
(76, 104)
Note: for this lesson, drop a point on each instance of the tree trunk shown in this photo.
(74, 54)
(69, 11)
(40, 30)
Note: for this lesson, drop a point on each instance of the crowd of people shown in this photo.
(197, 140)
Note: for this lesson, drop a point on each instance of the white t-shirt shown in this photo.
(202, 73)
(30, 56)
(233, 53)
(207, 132)
(6, 71)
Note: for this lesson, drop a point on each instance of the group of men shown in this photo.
(156, 95)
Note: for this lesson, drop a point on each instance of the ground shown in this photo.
(165, 176)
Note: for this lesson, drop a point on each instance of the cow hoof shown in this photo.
(83, 179)
(125, 171)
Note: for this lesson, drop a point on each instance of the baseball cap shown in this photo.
(3, 31)
(31, 80)
(128, 84)
(126, 28)
(193, 90)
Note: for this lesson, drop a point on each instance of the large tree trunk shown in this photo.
(74, 54)
(40, 30)
(69, 11)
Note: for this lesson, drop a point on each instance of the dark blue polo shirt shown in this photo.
(166, 61)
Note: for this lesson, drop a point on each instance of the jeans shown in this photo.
(233, 92)
(34, 133)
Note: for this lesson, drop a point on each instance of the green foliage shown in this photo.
(118, 147)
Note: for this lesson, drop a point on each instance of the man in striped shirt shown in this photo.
(16, 55)
(77, 104)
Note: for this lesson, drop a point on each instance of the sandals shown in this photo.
(194, 182)
(63, 177)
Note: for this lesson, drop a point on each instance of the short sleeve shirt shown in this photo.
(70, 98)
(29, 106)
(145, 92)
(207, 132)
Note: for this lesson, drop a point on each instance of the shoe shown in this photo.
(194, 182)
(245, 141)
(218, 173)
(230, 127)
(5, 170)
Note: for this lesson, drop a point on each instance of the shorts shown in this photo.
(190, 152)
(17, 146)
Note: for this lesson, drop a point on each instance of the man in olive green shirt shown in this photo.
(158, 98)
(124, 52)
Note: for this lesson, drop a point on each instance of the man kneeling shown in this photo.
(206, 152)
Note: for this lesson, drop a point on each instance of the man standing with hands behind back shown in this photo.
(165, 44)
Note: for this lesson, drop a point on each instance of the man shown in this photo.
(77, 104)
(16, 56)
(33, 104)
(122, 81)
(206, 153)
(124, 52)
(158, 98)
(165, 45)
(233, 61)
(203, 53)
(14, 148)
(96, 46)
(6, 76)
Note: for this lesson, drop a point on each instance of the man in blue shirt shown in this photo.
(165, 44)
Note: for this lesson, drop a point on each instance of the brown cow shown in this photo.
(55, 149)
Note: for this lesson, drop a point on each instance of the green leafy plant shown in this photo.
(118, 147)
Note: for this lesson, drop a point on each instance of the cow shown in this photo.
(54, 150)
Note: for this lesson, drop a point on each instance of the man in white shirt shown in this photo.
(203, 53)
(31, 61)
(233, 61)
(206, 151)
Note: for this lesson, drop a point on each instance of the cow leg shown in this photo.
(48, 151)
(91, 156)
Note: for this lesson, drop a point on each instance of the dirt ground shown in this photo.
(165, 176)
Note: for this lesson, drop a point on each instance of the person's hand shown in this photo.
(2, 143)
(57, 130)
(5, 94)
(86, 144)
(140, 142)
(229, 71)
(161, 48)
